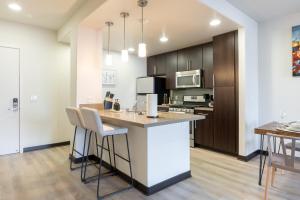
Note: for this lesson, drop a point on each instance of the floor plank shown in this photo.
(45, 174)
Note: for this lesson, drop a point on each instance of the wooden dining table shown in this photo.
(270, 128)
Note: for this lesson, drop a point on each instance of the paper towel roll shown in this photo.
(151, 107)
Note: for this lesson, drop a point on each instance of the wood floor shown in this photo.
(45, 174)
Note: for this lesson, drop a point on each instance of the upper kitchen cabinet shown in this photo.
(195, 58)
(224, 58)
(208, 65)
(151, 66)
(156, 65)
(183, 60)
(190, 58)
(171, 69)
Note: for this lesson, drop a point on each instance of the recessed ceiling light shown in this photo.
(215, 22)
(131, 49)
(15, 7)
(164, 39)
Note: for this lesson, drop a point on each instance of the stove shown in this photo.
(188, 106)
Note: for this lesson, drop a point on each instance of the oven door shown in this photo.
(188, 79)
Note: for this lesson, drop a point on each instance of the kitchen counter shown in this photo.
(204, 108)
(132, 118)
(159, 147)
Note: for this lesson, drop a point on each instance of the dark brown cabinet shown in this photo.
(204, 132)
(208, 65)
(183, 60)
(226, 93)
(151, 66)
(195, 58)
(224, 59)
(225, 138)
(171, 69)
(190, 58)
(156, 65)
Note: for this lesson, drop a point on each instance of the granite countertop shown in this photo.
(143, 121)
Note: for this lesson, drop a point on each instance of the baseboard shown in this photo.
(141, 187)
(45, 146)
(252, 155)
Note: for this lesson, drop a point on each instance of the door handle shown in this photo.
(15, 105)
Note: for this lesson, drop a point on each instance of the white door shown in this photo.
(9, 100)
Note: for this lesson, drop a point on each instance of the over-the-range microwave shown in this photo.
(189, 79)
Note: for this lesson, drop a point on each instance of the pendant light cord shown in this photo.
(142, 24)
(108, 41)
(124, 32)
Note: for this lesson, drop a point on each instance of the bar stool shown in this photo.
(76, 120)
(94, 123)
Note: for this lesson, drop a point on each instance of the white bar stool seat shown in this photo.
(109, 129)
(94, 123)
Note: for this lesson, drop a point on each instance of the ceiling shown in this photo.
(185, 23)
(50, 14)
(262, 10)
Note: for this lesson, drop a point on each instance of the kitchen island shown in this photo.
(159, 147)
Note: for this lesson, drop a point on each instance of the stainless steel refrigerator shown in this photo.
(149, 85)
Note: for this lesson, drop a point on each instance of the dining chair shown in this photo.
(284, 159)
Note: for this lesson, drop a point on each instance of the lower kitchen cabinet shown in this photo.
(225, 133)
(204, 131)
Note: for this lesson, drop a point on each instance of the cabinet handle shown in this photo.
(190, 64)
(154, 69)
(195, 123)
(187, 65)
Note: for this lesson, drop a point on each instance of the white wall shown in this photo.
(45, 72)
(125, 88)
(88, 65)
(279, 90)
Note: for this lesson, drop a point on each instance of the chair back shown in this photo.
(92, 120)
(283, 158)
(75, 117)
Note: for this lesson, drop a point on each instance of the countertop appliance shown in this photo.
(188, 106)
(149, 85)
(189, 79)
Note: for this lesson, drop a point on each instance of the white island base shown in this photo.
(160, 153)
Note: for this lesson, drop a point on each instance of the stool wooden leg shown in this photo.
(266, 197)
(73, 146)
(273, 176)
(100, 166)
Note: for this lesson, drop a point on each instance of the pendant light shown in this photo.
(124, 51)
(142, 46)
(108, 59)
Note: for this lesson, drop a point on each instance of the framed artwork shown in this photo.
(296, 50)
(109, 77)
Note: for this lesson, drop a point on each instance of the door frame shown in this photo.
(19, 91)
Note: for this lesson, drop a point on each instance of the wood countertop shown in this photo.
(143, 121)
(272, 128)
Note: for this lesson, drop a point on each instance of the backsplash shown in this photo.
(179, 93)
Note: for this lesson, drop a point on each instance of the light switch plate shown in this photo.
(33, 98)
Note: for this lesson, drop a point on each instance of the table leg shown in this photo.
(261, 164)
